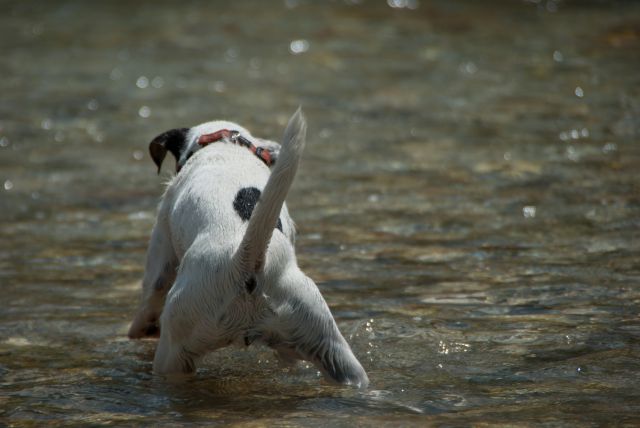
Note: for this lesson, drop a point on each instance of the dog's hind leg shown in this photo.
(173, 358)
(306, 327)
(159, 275)
(194, 321)
(181, 344)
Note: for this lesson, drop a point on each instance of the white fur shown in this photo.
(202, 254)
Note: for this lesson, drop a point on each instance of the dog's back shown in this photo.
(216, 193)
(225, 220)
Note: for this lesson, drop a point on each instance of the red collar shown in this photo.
(234, 136)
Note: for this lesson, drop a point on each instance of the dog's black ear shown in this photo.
(173, 141)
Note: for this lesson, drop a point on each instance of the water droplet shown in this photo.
(93, 105)
(231, 55)
(507, 156)
(609, 148)
(557, 56)
(140, 215)
(575, 134)
(403, 4)
(138, 155)
(157, 82)
(325, 133)
(442, 348)
(115, 74)
(373, 198)
(572, 154)
(297, 47)
(255, 63)
(144, 112)
(4, 142)
(37, 30)
(142, 82)
(584, 133)
(219, 86)
(579, 92)
(46, 124)
(469, 68)
(529, 211)
(8, 185)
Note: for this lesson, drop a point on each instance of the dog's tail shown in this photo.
(250, 255)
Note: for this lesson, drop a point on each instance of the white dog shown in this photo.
(221, 265)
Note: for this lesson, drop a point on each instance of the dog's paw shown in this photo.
(150, 331)
(356, 376)
(341, 367)
(144, 328)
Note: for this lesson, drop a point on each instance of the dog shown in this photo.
(221, 264)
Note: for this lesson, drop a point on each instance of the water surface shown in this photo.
(469, 203)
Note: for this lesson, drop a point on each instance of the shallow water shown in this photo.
(469, 203)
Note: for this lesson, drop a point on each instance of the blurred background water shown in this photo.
(469, 203)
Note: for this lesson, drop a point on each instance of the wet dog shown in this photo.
(221, 264)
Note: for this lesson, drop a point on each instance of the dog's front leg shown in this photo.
(159, 275)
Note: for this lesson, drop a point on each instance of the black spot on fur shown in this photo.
(245, 201)
(250, 283)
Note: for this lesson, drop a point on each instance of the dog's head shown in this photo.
(182, 143)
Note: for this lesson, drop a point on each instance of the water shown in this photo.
(469, 203)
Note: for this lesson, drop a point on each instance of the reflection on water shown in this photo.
(469, 202)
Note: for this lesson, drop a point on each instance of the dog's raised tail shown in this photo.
(250, 255)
